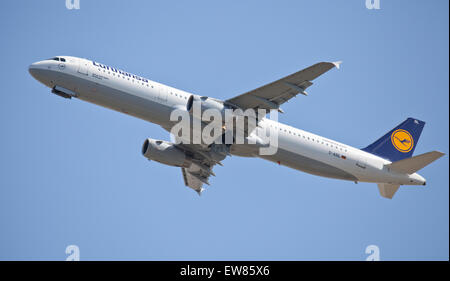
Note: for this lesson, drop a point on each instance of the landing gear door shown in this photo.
(83, 66)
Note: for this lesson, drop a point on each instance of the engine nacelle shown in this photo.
(165, 153)
(205, 103)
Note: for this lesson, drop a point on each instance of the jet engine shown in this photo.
(205, 103)
(165, 153)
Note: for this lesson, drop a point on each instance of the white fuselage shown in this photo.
(154, 102)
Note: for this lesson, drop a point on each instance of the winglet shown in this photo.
(337, 64)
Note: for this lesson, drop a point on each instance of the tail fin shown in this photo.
(400, 142)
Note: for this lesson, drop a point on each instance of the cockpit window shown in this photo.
(58, 59)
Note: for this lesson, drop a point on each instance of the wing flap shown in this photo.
(192, 181)
(200, 169)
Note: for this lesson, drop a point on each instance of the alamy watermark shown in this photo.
(73, 252)
(73, 4)
(210, 122)
(373, 4)
(373, 252)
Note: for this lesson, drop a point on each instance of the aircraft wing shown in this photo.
(194, 178)
(272, 95)
(204, 159)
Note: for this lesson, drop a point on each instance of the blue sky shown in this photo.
(72, 173)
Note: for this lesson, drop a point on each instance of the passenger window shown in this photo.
(63, 59)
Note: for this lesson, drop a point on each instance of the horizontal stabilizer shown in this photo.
(414, 164)
(388, 190)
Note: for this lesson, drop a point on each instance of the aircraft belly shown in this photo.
(138, 104)
(308, 165)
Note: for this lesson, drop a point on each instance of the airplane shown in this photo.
(388, 162)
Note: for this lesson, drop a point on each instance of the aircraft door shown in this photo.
(162, 95)
(83, 66)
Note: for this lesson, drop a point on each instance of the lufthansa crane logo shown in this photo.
(402, 140)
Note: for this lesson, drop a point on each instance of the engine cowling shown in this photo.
(204, 104)
(165, 153)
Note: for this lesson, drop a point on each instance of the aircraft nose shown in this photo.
(40, 71)
(33, 69)
(31, 66)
